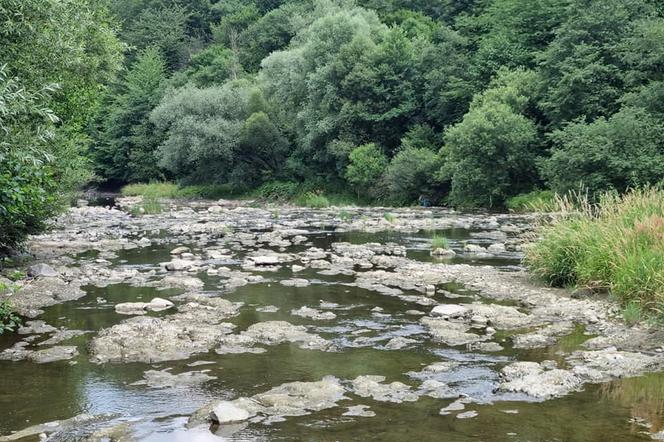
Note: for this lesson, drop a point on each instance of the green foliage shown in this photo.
(129, 139)
(617, 245)
(156, 190)
(9, 320)
(439, 242)
(315, 200)
(389, 217)
(366, 165)
(535, 201)
(491, 154)
(212, 135)
(626, 150)
(632, 313)
(62, 53)
(277, 190)
(410, 174)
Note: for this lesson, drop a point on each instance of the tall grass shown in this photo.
(535, 201)
(174, 191)
(439, 242)
(615, 245)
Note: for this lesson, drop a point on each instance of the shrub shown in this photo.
(615, 245)
(9, 320)
(277, 190)
(390, 218)
(535, 201)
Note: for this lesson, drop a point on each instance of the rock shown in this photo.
(373, 386)
(140, 308)
(225, 412)
(53, 354)
(265, 260)
(35, 327)
(183, 282)
(196, 328)
(62, 335)
(467, 414)
(308, 312)
(442, 252)
(296, 268)
(267, 309)
(496, 248)
(131, 308)
(415, 312)
(44, 292)
(180, 250)
(450, 333)
(295, 282)
(457, 405)
(473, 248)
(42, 270)
(178, 265)
(531, 378)
(449, 311)
(271, 333)
(290, 399)
(163, 379)
(398, 343)
(359, 410)
(437, 389)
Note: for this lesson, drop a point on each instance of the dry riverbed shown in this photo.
(219, 321)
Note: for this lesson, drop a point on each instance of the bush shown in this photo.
(9, 320)
(277, 190)
(410, 174)
(615, 245)
(535, 201)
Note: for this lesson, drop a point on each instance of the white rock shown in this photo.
(449, 310)
(225, 412)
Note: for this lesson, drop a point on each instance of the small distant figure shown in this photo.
(424, 201)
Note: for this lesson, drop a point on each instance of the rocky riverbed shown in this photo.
(225, 321)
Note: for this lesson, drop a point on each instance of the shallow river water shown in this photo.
(33, 393)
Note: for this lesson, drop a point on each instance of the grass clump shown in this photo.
(439, 242)
(315, 200)
(389, 217)
(149, 206)
(154, 190)
(535, 201)
(615, 245)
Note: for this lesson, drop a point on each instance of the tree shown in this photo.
(129, 139)
(164, 28)
(491, 154)
(367, 163)
(411, 174)
(218, 134)
(625, 150)
(27, 187)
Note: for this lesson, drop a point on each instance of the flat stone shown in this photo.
(449, 310)
(42, 270)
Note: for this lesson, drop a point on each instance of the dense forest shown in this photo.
(465, 102)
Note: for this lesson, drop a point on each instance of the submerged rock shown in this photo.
(163, 379)
(308, 312)
(290, 399)
(374, 387)
(195, 329)
(272, 333)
